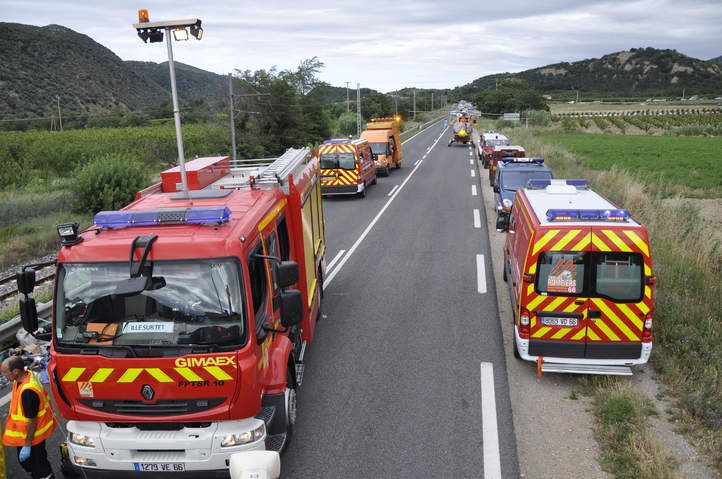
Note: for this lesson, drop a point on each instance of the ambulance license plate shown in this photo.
(159, 466)
(564, 322)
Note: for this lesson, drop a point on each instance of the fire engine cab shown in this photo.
(579, 271)
(180, 322)
(489, 139)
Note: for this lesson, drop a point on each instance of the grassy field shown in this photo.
(689, 162)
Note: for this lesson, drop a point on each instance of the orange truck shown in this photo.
(384, 136)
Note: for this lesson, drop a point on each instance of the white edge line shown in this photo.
(477, 219)
(416, 162)
(473, 190)
(471, 161)
(392, 190)
(5, 399)
(365, 232)
(490, 433)
(335, 259)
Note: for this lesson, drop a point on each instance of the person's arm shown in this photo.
(32, 424)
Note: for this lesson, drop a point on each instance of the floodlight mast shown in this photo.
(144, 27)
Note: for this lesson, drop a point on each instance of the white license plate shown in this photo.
(159, 466)
(565, 322)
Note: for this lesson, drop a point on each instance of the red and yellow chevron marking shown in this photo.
(162, 375)
(341, 177)
(621, 322)
(336, 148)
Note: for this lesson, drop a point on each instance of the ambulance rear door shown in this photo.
(559, 300)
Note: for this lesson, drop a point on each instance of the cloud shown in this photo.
(388, 45)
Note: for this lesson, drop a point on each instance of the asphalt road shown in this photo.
(393, 381)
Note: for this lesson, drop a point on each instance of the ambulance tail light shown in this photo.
(524, 323)
(647, 331)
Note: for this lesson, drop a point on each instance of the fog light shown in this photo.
(84, 461)
(244, 437)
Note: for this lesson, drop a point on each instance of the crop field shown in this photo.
(692, 162)
(622, 107)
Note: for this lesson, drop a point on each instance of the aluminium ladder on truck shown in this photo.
(263, 172)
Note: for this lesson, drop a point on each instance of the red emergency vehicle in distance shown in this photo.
(488, 140)
(193, 349)
(579, 271)
(503, 151)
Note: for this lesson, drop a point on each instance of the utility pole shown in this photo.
(60, 116)
(348, 104)
(414, 103)
(358, 109)
(432, 101)
(233, 121)
(396, 105)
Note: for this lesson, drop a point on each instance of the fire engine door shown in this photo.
(559, 314)
(618, 304)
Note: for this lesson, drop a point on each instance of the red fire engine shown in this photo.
(180, 322)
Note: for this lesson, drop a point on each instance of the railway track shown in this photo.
(9, 288)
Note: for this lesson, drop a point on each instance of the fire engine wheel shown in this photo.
(290, 400)
(503, 275)
(374, 182)
(362, 193)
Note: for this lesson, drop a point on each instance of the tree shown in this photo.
(512, 95)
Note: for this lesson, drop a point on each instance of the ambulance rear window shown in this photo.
(335, 161)
(561, 273)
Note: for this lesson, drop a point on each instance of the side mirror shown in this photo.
(286, 273)
(496, 189)
(25, 280)
(528, 278)
(291, 308)
(650, 280)
(29, 314)
(375, 156)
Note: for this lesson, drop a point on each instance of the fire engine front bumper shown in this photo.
(341, 189)
(185, 452)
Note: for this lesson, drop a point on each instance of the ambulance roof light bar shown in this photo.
(541, 184)
(587, 215)
(163, 216)
(537, 161)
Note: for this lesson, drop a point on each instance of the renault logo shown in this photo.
(147, 392)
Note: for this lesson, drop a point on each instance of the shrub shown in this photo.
(568, 124)
(107, 183)
(502, 123)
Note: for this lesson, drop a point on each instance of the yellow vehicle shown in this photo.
(384, 137)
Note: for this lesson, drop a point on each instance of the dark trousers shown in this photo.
(37, 464)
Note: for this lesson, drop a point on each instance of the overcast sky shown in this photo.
(387, 45)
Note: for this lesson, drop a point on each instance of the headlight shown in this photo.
(244, 437)
(81, 440)
(506, 202)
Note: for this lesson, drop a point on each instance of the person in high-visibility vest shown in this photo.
(31, 419)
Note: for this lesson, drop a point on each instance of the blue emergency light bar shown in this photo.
(538, 161)
(587, 215)
(164, 216)
(337, 141)
(541, 184)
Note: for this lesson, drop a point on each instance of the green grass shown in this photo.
(691, 162)
(628, 449)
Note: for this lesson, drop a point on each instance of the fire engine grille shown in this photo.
(162, 407)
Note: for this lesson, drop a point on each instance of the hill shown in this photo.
(192, 82)
(634, 73)
(717, 59)
(337, 94)
(39, 63)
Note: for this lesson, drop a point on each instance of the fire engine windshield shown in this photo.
(335, 161)
(513, 180)
(188, 302)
